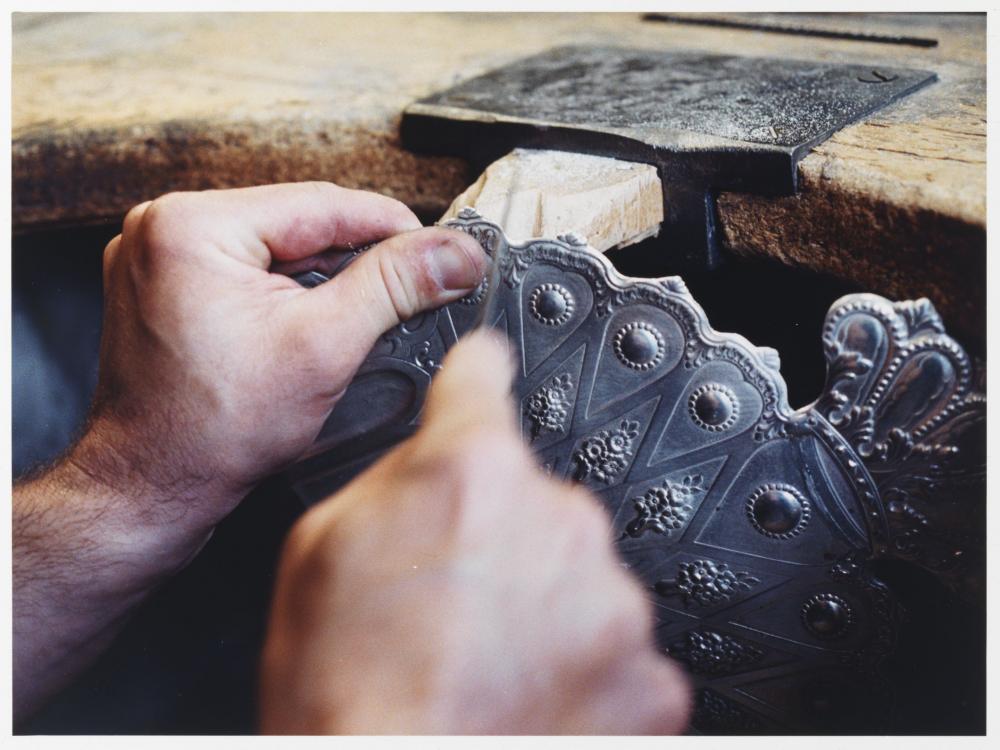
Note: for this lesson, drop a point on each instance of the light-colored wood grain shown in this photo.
(109, 110)
(529, 193)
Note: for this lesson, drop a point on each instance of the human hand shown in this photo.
(215, 371)
(454, 588)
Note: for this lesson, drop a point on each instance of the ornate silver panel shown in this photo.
(751, 525)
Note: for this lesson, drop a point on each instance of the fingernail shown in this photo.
(458, 263)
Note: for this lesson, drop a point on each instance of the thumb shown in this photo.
(392, 282)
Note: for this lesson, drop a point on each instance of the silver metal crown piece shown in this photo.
(753, 526)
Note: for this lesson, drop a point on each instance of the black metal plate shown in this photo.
(708, 122)
(668, 102)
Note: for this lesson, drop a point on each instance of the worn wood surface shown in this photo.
(111, 109)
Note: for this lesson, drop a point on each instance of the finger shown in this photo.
(645, 694)
(390, 283)
(327, 262)
(300, 219)
(285, 222)
(111, 251)
(473, 387)
(471, 390)
(134, 218)
(130, 226)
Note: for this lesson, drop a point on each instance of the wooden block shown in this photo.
(534, 193)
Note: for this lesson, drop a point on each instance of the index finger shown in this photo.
(295, 220)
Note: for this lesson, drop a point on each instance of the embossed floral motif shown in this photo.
(665, 508)
(548, 407)
(606, 455)
(720, 715)
(709, 652)
(706, 583)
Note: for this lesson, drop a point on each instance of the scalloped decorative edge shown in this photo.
(613, 289)
(759, 365)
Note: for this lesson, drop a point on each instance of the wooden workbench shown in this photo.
(109, 110)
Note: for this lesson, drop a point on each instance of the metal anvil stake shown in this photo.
(708, 123)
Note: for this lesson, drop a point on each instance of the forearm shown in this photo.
(85, 553)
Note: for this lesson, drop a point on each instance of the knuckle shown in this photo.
(398, 286)
(334, 224)
(627, 624)
(305, 525)
(618, 632)
(322, 188)
(296, 540)
(306, 347)
(134, 217)
(398, 209)
(110, 252)
(167, 206)
(164, 218)
(307, 543)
